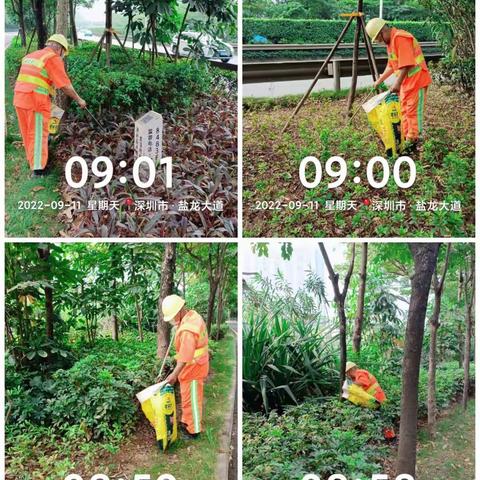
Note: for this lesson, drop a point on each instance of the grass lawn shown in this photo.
(445, 170)
(19, 186)
(452, 453)
(198, 460)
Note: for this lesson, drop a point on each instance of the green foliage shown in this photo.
(321, 436)
(451, 23)
(327, 436)
(320, 131)
(315, 31)
(287, 354)
(130, 87)
(97, 393)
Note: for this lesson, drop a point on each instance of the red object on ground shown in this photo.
(366, 202)
(389, 433)
(129, 202)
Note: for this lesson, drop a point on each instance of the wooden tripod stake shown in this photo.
(360, 28)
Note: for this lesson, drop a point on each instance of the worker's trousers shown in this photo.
(34, 130)
(413, 106)
(191, 392)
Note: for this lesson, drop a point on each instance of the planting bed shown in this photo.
(445, 170)
(203, 145)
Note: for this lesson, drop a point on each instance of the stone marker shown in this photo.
(148, 136)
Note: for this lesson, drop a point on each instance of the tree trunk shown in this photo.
(49, 316)
(40, 27)
(214, 274)
(468, 334)
(115, 327)
(43, 251)
(61, 20)
(17, 6)
(437, 285)
(357, 334)
(223, 282)
(425, 257)
(138, 308)
(108, 29)
(62, 17)
(339, 297)
(73, 25)
(182, 27)
(166, 288)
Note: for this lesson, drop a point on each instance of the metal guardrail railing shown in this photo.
(287, 70)
(273, 47)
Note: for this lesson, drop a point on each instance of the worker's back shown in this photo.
(370, 384)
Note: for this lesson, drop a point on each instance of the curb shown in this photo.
(223, 461)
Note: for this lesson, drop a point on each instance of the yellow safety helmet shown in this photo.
(171, 305)
(60, 39)
(349, 366)
(374, 26)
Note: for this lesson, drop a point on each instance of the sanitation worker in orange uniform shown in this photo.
(191, 345)
(40, 74)
(406, 61)
(366, 380)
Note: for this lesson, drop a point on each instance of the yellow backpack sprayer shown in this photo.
(158, 405)
(56, 115)
(358, 396)
(384, 115)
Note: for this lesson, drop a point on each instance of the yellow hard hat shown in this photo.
(171, 305)
(374, 26)
(59, 38)
(349, 366)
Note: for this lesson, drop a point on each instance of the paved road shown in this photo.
(9, 36)
(233, 324)
(138, 46)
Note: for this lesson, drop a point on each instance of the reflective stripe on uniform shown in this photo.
(194, 400)
(37, 149)
(198, 353)
(41, 90)
(35, 81)
(414, 71)
(420, 107)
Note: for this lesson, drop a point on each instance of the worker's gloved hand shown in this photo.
(171, 379)
(377, 84)
(395, 88)
(82, 103)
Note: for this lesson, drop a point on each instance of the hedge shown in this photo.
(317, 31)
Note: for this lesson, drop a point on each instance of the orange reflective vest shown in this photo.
(194, 323)
(418, 75)
(369, 383)
(33, 77)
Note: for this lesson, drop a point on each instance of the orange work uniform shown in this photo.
(191, 344)
(40, 73)
(405, 51)
(369, 383)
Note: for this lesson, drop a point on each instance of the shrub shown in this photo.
(287, 353)
(316, 31)
(327, 436)
(130, 86)
(318, 436)
(97, 394)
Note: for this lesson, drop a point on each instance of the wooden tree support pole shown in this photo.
(31, 40)
(356, 45)
(99, 44)
(315, 80)
(121, 44)
(370, 53)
